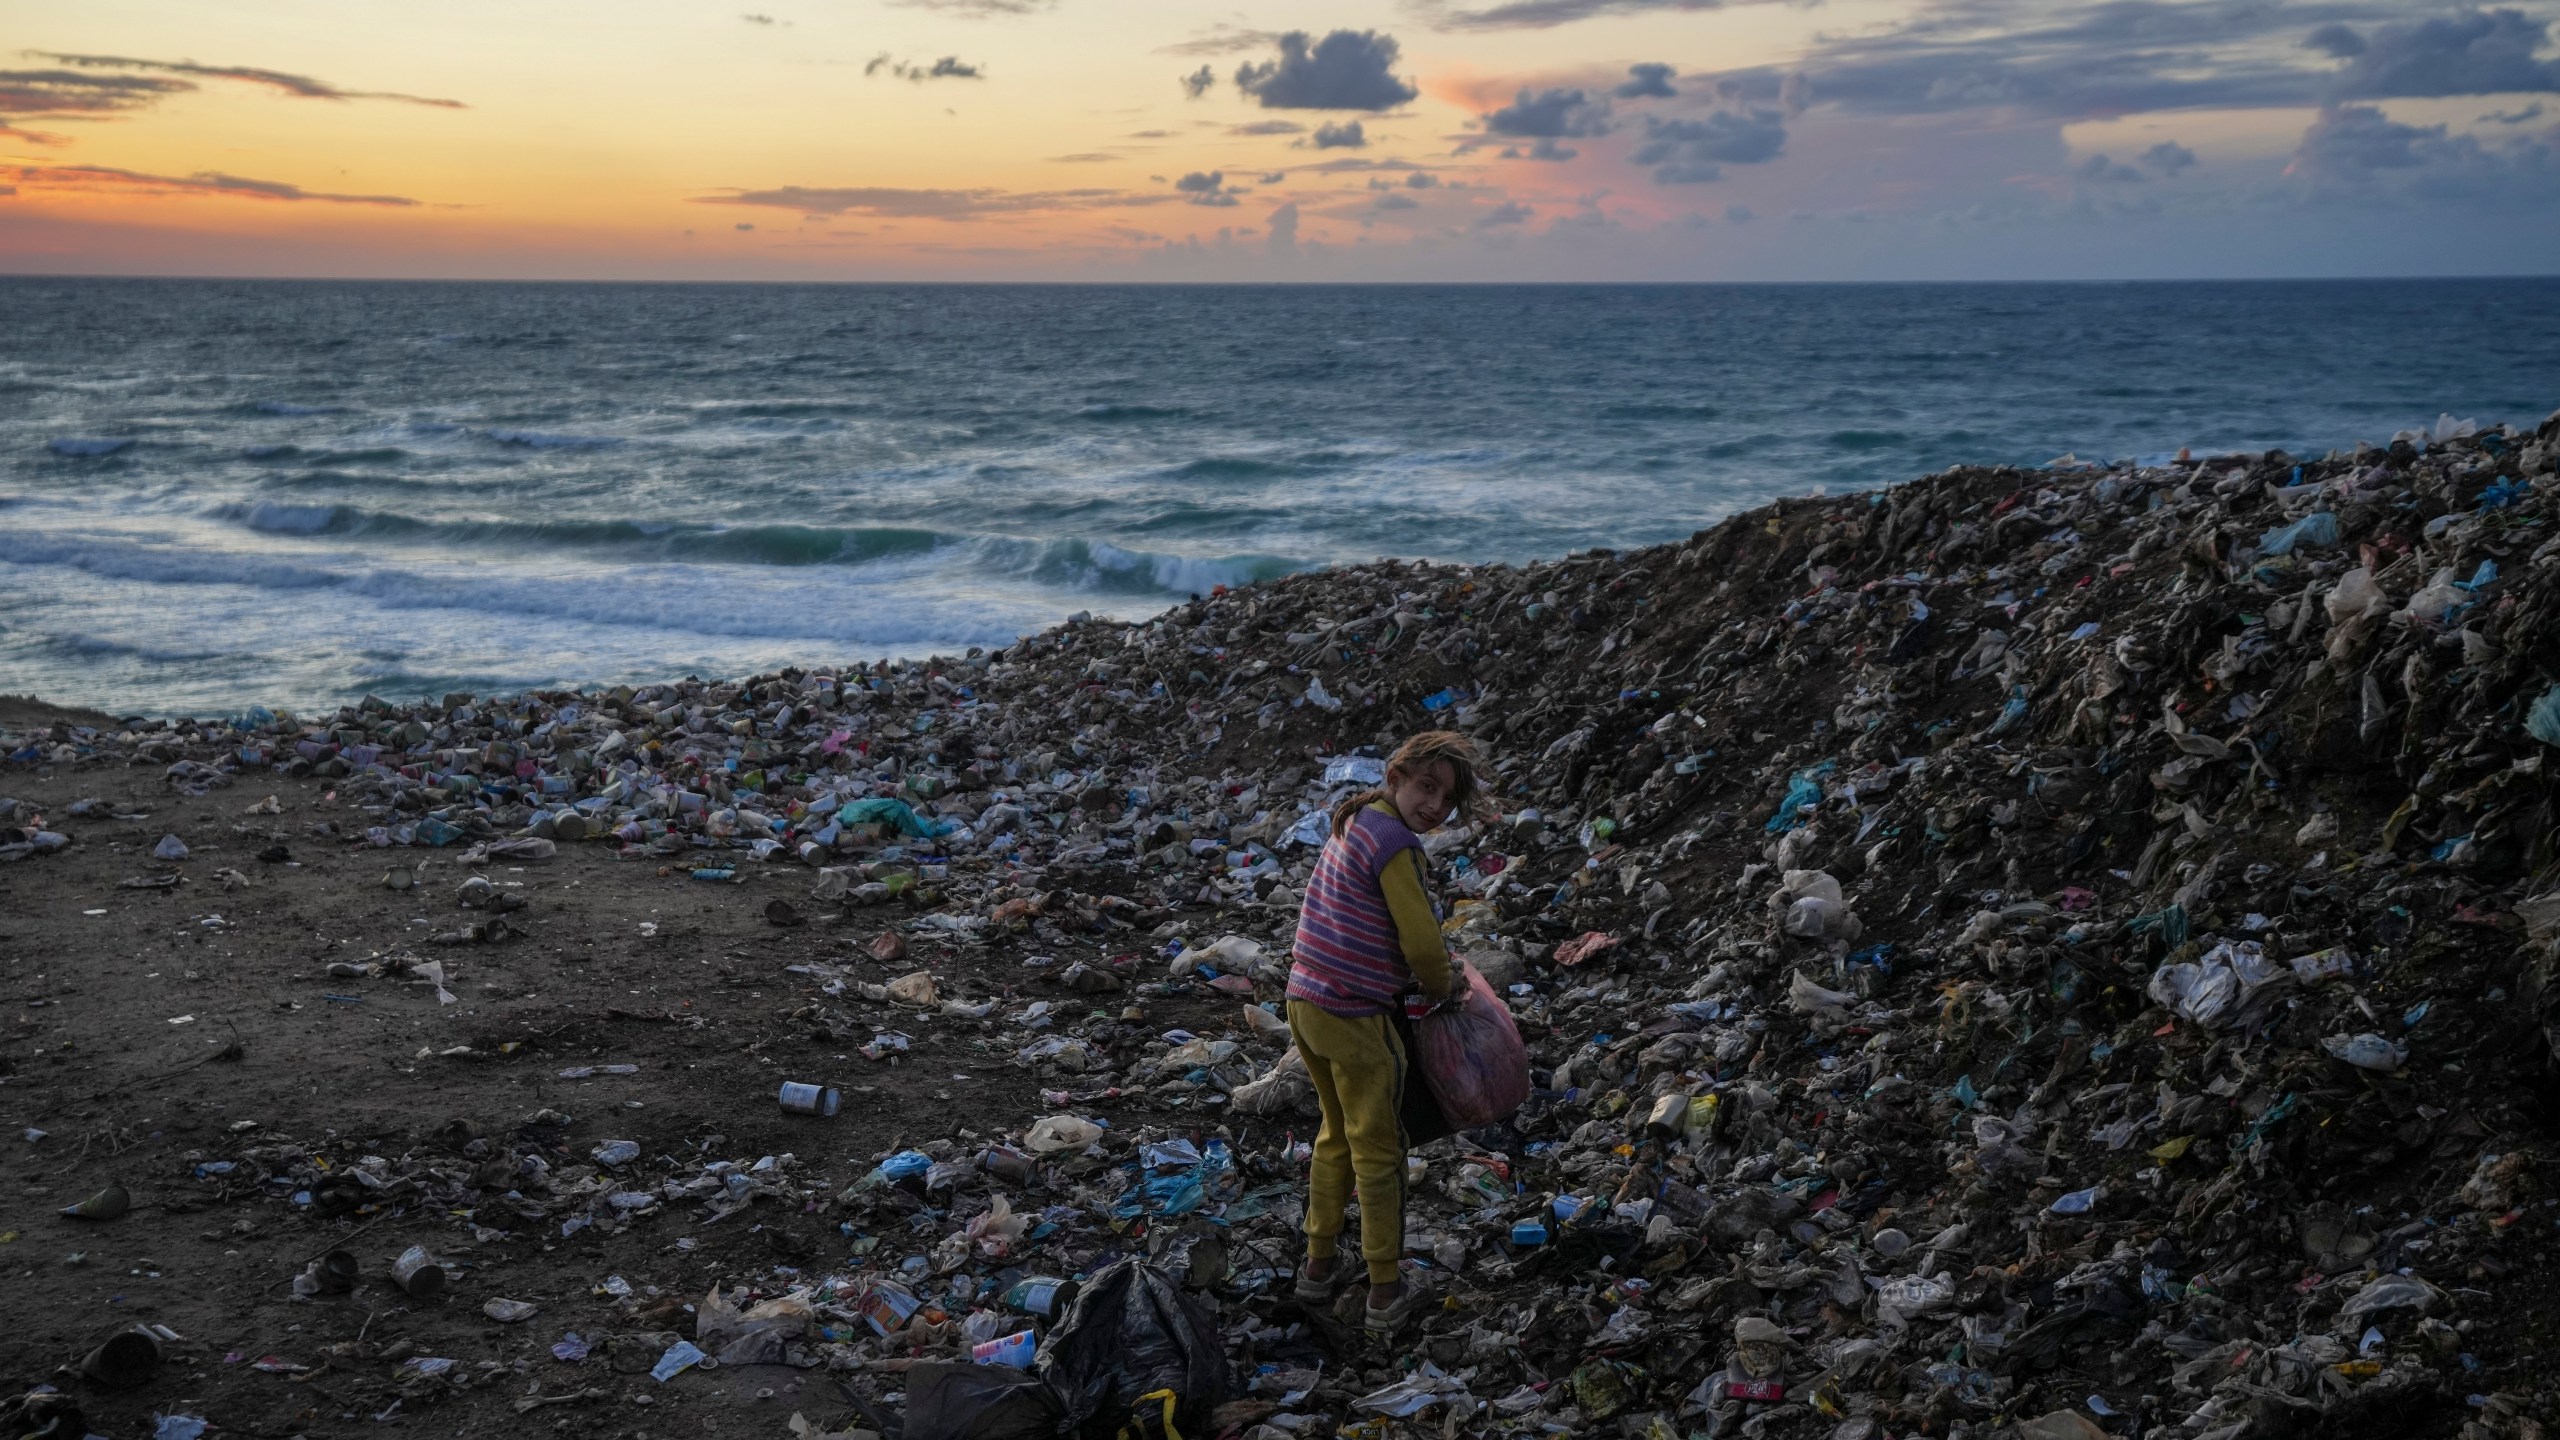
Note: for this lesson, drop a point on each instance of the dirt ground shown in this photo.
(151, 1032)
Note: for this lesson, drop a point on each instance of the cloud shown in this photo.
(744, 225)
(2353, 140)
(2168, 157)
(1283, 230)
(1274, 177)
(1207, 187)
(107, 180)
(2119, 57)
(1689, 152)
(1354, 164)
(757, 19)
(1223, 39)
(1268, 127)
(949, 67)
(1083, 157)
(1197, 83)
(1393, 201)
(2525, 116)
(977, 9)
(2474, 52)
(1544, 14)
(1548, 116)
(1421, 180)
(1346, 70)
(2337, 40)
(1740, 214)
(31, 137)
(301, 87)
(64, 92)
(2357, 150)
(1509, 212)
(1346, 135)
(1647, 81)
(890, 202)
(2103, 170)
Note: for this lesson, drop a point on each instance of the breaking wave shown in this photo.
(1065, 562)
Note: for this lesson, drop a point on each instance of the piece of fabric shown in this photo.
(1350, 956)
(1358, 1066)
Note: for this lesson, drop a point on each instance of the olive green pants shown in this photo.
(1358, 1066)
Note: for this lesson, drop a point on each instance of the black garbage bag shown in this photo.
(953, 1400)
(1133, 1333)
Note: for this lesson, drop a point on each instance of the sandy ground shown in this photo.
(152, 1030)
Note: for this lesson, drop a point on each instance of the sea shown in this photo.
(218, 494)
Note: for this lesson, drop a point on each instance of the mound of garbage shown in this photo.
(2054, 952)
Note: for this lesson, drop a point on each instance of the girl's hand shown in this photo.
(1459, 985)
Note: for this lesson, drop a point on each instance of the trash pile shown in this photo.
(2054, 952)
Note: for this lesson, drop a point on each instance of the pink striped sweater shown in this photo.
(1347, 959)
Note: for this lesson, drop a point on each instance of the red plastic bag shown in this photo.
(1472, 1057)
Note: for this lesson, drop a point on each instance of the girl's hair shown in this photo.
(1416, 754)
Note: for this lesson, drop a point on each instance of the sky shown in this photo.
(1156, 140)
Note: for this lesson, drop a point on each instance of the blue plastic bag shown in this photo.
(2317, 530)
(883, 811)
(2542, 721)
(1803, 788)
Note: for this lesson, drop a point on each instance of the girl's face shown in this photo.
(1421, 797)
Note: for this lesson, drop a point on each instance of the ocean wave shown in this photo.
(89, 646)
(377, 455)
(277, 518)
(1113, 412)
(633, 539)
(1098, 565)
(718, 410)
(1233, 467)
(80, 447)
(1655, 411)
(445, 486)
(289, 408)
(1067, 563)
(854, 614)
(547, 440)
(1862, 440)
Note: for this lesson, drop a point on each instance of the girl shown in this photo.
(1366, 938)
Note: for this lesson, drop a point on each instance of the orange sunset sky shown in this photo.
(1144, 139)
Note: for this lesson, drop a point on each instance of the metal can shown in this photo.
(802, 1099)
(417, 1273)
(335, 1272)
(1041, 1295)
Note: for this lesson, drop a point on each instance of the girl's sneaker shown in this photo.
(1385, 1320)
(1312, 1290)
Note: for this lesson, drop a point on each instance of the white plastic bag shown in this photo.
(2353, 595)
(1053, 1133)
